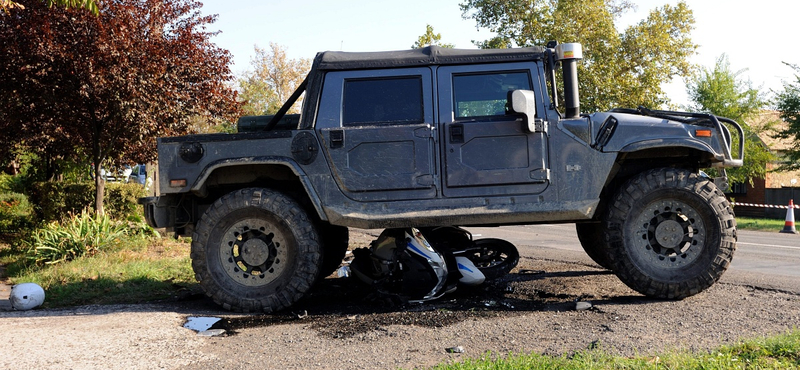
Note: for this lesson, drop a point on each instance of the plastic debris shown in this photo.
(456, 349)
(582, 306)
(211, 332)
(343, 272)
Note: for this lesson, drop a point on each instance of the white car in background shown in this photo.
(138, 174)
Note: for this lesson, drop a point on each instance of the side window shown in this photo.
(382, 101)
(482, 95)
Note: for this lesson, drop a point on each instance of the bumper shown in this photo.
(157, 212)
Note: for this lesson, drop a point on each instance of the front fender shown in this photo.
(627, 133)
(627, 130)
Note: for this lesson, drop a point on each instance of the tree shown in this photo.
(99, 89)
(429, 38)
(619, 69)
(273, 79)
(721, 91)
(788, 104)
(90, 5)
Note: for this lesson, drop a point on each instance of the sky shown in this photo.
(755, 35)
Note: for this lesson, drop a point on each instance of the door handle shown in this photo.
(456, 133)
(337, 139)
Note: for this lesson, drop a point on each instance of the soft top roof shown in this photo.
(430, 55)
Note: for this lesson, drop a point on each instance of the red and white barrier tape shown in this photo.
(796, 206)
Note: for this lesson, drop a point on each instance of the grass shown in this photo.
(776, 352)
(76, 236)
(760, 224)
(136, 270)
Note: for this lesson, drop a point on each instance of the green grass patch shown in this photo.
(776, 352)
(78, 235)
(759, 224)
(135, 270)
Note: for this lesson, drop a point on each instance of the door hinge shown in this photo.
(540, 175)
(425, 180)
(540, 125)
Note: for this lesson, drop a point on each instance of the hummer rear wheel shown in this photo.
(592, 238)
(255, 250)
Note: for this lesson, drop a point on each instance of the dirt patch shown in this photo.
(340, 308)
(345, 307)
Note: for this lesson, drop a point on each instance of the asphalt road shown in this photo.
(765, 259)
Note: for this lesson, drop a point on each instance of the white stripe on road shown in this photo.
(771, 246)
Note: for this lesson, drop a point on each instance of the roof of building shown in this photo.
(771, 123)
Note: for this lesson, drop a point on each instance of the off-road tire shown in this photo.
(671, 233)
(497, 259)
(592, 238)
(335, 240)
(255, 250)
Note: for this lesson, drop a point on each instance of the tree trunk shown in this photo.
(100, 189)
(99, 181)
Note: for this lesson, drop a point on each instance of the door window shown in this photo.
(382, 101)
(485, 95)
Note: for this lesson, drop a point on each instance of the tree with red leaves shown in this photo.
(101, 88)
(90, 5)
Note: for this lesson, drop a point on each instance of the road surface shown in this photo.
(768, 258)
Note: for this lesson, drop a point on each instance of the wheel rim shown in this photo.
(487, 258)
(488, 255)
(670, 235)
(253, 253)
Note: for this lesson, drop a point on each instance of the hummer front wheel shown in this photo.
(671, 233)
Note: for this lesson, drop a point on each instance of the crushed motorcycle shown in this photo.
(421, 264)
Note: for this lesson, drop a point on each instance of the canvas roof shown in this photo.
(430, 55)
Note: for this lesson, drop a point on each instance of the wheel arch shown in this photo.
(640, 157)
(282, 174)
(673, 148)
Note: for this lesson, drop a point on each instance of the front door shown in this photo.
(487, 152)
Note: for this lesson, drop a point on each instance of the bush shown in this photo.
(121, 200)
(11, 184)
(55, 201)
(77, 236)
(15, 213)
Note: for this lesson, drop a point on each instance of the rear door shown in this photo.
(487, 152)
(377, 132)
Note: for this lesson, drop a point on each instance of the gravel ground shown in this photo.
(339, 326)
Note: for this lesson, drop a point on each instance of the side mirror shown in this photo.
(524, 102)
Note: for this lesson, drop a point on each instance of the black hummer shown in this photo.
(434, 137)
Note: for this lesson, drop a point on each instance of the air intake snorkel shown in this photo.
(569, 54)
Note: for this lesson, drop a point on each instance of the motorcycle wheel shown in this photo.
(494, 257)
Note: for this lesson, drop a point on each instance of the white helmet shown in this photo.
(26, 296)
